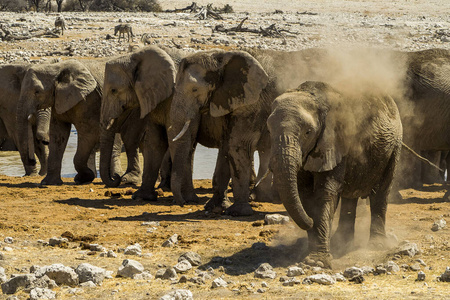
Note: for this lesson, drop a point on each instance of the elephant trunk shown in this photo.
(286, 161)
(106, 151)
(25, 141)
(43, 125)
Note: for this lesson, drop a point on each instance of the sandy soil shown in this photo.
(32, 213)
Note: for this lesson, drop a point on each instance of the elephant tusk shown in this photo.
(262, 178)
(183, 131)
(110, 124)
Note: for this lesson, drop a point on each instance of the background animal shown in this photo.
(60, 23)
(11, 78)
(122, 29)
(327, 146)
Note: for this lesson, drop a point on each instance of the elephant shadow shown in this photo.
(249, 259)
(22, 185)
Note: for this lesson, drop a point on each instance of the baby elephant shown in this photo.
(122, 29)
(59, 22)
(327, 147)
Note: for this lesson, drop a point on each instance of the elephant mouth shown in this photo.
(118, 121)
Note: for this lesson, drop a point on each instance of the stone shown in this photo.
(437, 225)
(276, 219)
(17, 283)
(41, 282)
(264, 284)
(291, 281)
(42, 293)
(88, 284)
(87, 272)
(170, 274)
(143, 276)
(421, 262)
(295, 271)
(160, 273)
(171, 241)
(3, 277)
(357, 279)
(379, 270)
(392, 266)
(61, 274)
(265, 270)
(420, 276)
(324, 279)
(9, 240)
(129, 268)
(182, 266)
(133, 250)
(445, 277)
(219, 282)
(192, 257)
(96, 247)
(367, 270)
(352, 272)
(180, 294)
(261, 290)
(150, 224)
(339, 277)
(415, 267)
(58, 241)
(407, 248)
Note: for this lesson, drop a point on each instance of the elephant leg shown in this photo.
(430, 174)
(240, 159)
(42, 154)
(85, 148)
(327, 188)
(155, 147)
(221, 178)
(59, 135)
(131, 133)
(165, 172)
(343, 237)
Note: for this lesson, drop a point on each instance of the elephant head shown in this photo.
(59, 86)
(217, 82)
(141, 80)
(305, 135)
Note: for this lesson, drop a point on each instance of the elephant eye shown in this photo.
(194, 90)
(113, 91)
(308, 131)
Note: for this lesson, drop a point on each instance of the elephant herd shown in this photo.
(322, 141)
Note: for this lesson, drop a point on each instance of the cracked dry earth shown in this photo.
(32, 215)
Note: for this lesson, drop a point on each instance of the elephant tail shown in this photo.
(420, 157)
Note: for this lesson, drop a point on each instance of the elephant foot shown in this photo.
(378, 242)
(218, 204)
(51, 181)
(145, 195)
(83, 178)
(187, 198)
(42, 173)
(446, 197)
(319, 259)
(165, 185)
(131, 179)
(239, 209)
(342, 243)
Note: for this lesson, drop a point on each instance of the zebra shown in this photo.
(122, 29)
(59, 22)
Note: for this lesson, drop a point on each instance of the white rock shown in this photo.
(129, 268)
(180, 294)
(265, 270)
(322, 279)
(87, 272)
(61, 274)
(182, 266)
(276, 219)
(295, 271)
(171, 241)
(42, 293)
(219, 282)
(133, 250)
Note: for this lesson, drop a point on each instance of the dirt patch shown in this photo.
(232, 247)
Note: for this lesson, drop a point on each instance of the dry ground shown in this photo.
(32, 213)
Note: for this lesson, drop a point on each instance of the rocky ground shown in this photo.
(91, 242)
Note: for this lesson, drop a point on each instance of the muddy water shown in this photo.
(11, 165)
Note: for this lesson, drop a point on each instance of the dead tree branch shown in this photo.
(193, 8)
(9, 36)
(271, 30)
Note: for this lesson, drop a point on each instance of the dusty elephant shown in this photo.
(73, 92)
(327, 147)
(221, 100)
(138, 93)
(11, 77)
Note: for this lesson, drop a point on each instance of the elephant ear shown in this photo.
(73, 84)
(154, 77)
(242, 82)
(330, 147)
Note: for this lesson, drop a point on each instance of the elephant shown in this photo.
(11, 78)
(221, 100)
(72, 89)
(328, 147)
(138, 91)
